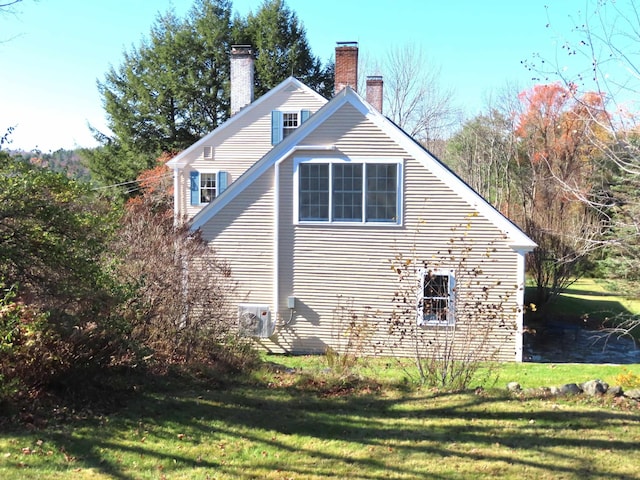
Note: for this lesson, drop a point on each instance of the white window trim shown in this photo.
(298, 114)
(451, 308)
(206, 170)
(359, 160)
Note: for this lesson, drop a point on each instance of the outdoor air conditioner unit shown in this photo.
(255, 321)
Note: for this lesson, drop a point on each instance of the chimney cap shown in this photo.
(241, 49)
(347, 44)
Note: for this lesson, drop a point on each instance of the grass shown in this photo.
(299, 422)
(296, 421)
(599, 299)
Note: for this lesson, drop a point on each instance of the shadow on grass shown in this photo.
(314, 436)
(574, 305)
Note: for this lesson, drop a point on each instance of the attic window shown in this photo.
(284, 124)
(289, 123)
(207, 151)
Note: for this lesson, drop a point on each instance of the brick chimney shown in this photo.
(346, 66)
(241, 77)
(374, 92)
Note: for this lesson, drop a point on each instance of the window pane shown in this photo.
(382, 195)
(436, 298)
(207, 187)
(347, 192)
(313, 192)
(289, 123)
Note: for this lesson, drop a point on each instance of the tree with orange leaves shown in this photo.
(159, 260)
(559, 169)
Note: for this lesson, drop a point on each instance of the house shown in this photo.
(340, 229)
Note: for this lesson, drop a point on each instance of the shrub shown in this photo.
(628, 379)
(455, 332)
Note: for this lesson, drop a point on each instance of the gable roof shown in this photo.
(517, 238)
(181, 160)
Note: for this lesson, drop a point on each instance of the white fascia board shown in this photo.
(516, 238)
(180, 160)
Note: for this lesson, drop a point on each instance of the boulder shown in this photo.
(615, 391)
(634, 393)
(569, 389)
(514, 387)
(594, 387)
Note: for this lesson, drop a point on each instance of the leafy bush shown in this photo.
(628, 379)
(30, 353)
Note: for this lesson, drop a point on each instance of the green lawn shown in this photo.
(599, 299)
(305, 424)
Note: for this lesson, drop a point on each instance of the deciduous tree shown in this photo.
(180, 310)
(557, 170)
(414, 95)
(53, 233)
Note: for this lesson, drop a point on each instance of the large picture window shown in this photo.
(436, 305)
(354, 192)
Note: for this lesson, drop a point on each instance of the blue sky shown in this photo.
(52, 52)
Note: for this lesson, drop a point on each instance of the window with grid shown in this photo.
(382, 185)
(347, 192)
(436, 302)
(207, 187)
(342, 191)
(289, 123)
(313, 183)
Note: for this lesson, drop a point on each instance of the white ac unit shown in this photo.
(255, 320)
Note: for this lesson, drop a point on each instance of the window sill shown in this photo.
(317, 223)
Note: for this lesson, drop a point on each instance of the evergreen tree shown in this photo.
(282, 49)
(166, 94)
(174, 88)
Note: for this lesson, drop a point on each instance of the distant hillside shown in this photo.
(66, 161)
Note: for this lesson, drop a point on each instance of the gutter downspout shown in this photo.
(276, 218)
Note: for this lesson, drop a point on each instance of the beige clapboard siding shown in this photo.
(340, 264)
(362, 137)
(237, 149)
(326, 267)
(242, 234)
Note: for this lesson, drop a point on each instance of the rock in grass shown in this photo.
(514, 387)
(634, 393)
(594, 387)
(615, 391)
(569, 389)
